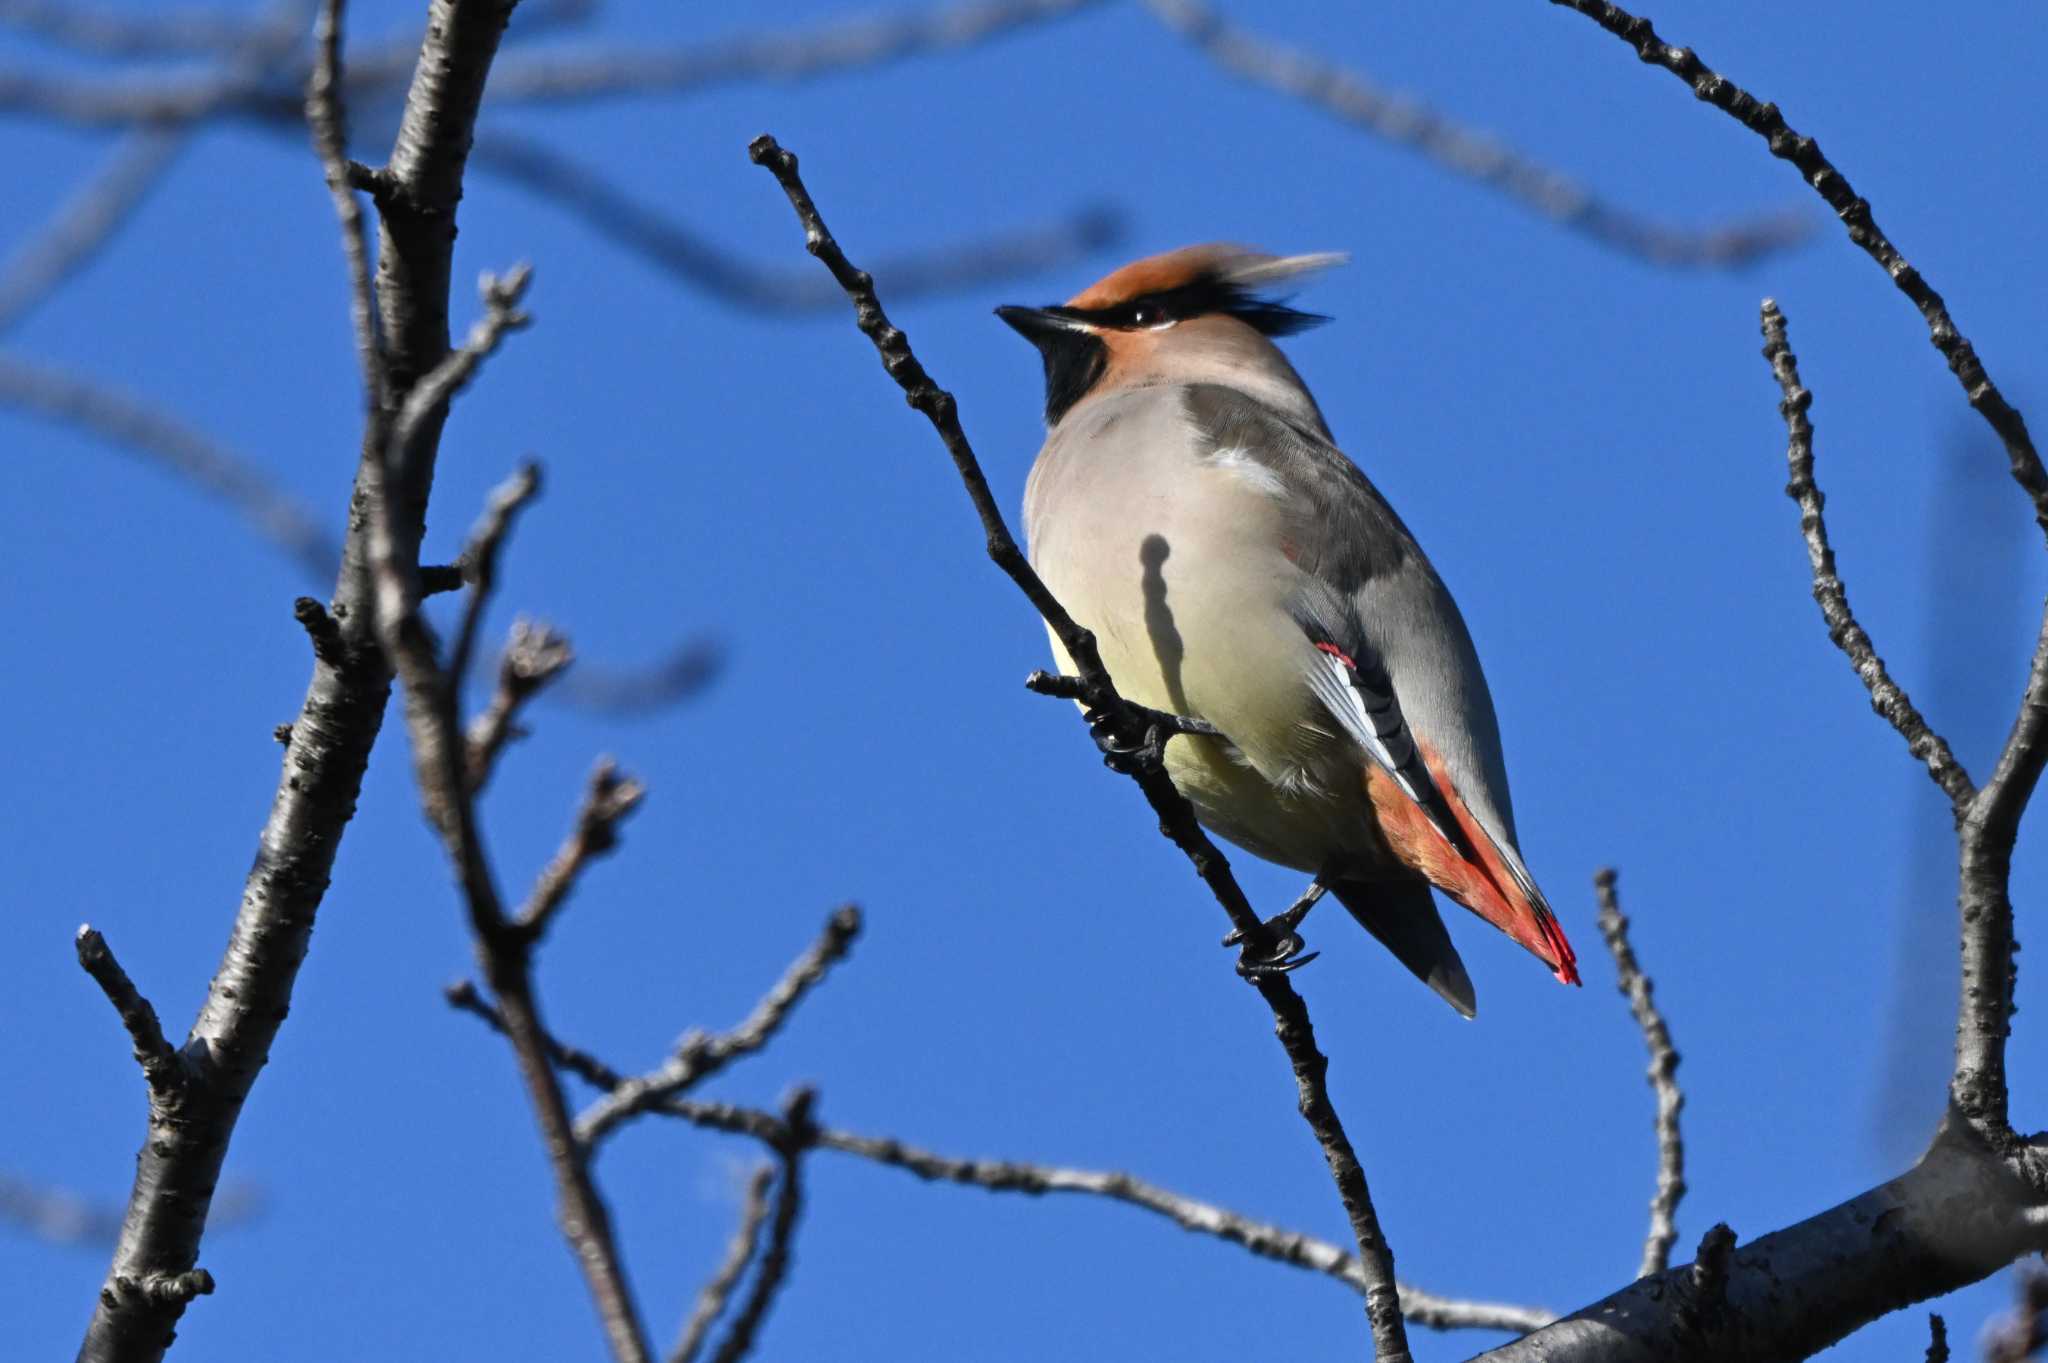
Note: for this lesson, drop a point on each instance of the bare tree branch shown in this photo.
(1887, 697)
(532, 659)
(480, 570)
(1263, 1239)
(1978, 1198)
(324, 116)
(162, 1067)
(1259, 1237)
(1351, 98)
(1937, 1338)
(610, 797)
(153, 1273)
(1127, 735)
(775, 1259)
(1804, 153)
(567, 183)
(697, 1056)
(1635, 986)
(711, 1301)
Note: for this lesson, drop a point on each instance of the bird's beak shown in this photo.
(1036, 325)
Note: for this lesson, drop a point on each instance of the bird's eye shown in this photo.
(1144, 316)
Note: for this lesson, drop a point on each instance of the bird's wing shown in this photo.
(1395, 668)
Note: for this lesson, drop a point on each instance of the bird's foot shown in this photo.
(1283, 951)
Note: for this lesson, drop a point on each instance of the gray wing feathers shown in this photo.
(1403, 916)
(1363, 565)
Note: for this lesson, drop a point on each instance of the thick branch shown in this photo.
(1635, 986)
(1960, 1214)
(1805, 155)
(1887, 697)
(153, 1275)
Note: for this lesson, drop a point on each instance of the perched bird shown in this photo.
(1190, 507)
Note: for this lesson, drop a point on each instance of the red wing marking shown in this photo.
(1486, 886)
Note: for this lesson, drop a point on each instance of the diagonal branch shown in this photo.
(1887, 697)
(1260, 1238)
(153, 1274)
(1113, 718)
(1351, 98)
(565, 182)
(699, 1056)
(1635, 986)
(1805, 155)
(719, 1289)
(775, 1259)
(163, 1069)
(609, 798)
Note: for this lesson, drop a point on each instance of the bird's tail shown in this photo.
(1494, 884)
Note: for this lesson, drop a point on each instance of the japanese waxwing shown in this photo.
(1190, 507)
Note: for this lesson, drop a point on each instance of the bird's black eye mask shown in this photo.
(1199, 298)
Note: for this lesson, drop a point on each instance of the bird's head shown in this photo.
(1197, 315)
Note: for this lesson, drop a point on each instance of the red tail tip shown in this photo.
(1567, 960)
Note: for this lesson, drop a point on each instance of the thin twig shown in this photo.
(480, 563)
(428, 400)
(328, 121)
(571, 185)
(464, 997)
(1351, 98)
(718, 1290)
(1887, 697)
(698, 1056)
(1260, 1238)
(607, 800)
(162, 1067)
(776, 1258)
(533, 657)
(1128, 737)
(1636, 987)
(1804, 153)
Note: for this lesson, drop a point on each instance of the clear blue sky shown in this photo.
(1588, 447)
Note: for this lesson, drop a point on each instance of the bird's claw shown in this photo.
(1285, 952)
(1126, 758)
